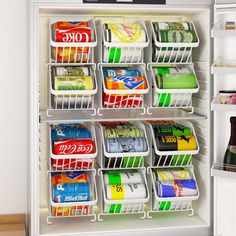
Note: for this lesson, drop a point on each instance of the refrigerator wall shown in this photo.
(163, 224)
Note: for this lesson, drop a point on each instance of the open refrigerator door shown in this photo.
(223, 70)
(111, 130)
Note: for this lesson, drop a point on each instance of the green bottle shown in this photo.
(230, 154)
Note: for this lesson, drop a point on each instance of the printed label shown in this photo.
(117, 192)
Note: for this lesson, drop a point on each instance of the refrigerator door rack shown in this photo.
(121, 207)
(123, 52)
(126, 98)
(73, 161)
(72, 99)
(170, 204)
(163, 159)
(171, 98)
(73, 209)
(72, 52)
(176, 53)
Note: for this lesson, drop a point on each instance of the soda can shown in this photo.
(123, 133)
(71, 54)
(71, 71)
(124, 33)
(177, 188)
(74, 35)
(126, 191)
(72, 163)
(69, 24)
(175, 174)
(122, 101)
(173, 129)
(70, 210)
(123, 82)
(73, 146)
(120, 71)
(176, 143)
(126, 145)
(171, 99)
(169, 54)
(69, 131)
(73, 83)
(73, 192)
(122, 55)
(184, 25)
(122, 177)
(69, 177)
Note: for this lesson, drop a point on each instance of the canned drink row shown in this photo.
(122, 41)
(122, 144)
(76, 193)
(122, 87)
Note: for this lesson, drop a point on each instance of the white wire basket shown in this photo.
(72, 52)
(177, 53)
(123, 99)
(122, 160)
(122, 207)
(73, 161)
(73, 209)
(171, 204)
(123, 52)
(172, 98)
(173, 158)
(73, 99)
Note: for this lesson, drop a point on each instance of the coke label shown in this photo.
(73, 146)
(78, 34)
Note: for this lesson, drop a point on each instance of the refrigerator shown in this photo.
(212, 60)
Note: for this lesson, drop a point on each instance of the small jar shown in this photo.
(227, 96)
(230, 25)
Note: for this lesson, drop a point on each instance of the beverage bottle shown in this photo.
(230, 154)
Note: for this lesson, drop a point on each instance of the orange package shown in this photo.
(70, 54)
(70, 211)
(122, 82)
(70, 24)
(69, 177)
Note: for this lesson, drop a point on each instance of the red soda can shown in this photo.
(72, 164)
(74, 34)
(73, 146)
(117, 101)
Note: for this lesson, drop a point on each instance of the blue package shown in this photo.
(73, 192)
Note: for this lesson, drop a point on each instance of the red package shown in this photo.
(73, 146)
(72, 164)
(114, 101)
(74, 34)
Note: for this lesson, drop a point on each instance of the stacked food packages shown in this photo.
(73, 79)
(71, 32)
(180, 38)
(124, 138)
(73, 140)
(123, 185)
(172, 136)
(70, 187)
(174, 78)
(118, 33)
(130, 85)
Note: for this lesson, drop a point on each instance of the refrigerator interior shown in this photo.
(165, 223)
(223, 70)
